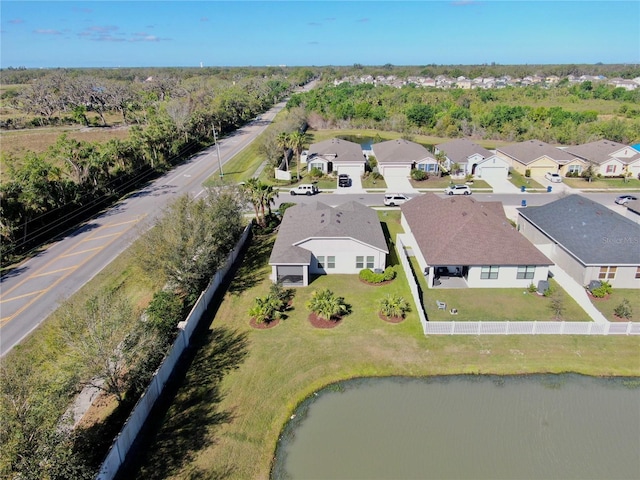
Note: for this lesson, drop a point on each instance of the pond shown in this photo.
(466, 427)
(366, 142)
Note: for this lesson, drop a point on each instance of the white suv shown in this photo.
(304, 189)
(393, 199)
(458, 190)
(553, 177)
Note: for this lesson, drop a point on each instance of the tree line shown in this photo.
(169, 117)
(510, 114)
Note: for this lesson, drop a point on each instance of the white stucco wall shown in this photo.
(345, 251)
(507, 278)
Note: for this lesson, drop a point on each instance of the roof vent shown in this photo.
(464, 214)
(337, 221)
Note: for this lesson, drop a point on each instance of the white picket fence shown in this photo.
(127, 436)
(506, 328)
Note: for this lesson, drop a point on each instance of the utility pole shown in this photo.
(215, 139)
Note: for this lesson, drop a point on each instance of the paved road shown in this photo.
(32, 291)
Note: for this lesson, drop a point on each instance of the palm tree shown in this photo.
(266, 309)
(267, 196)
(326, 304)
(284, 144)
(252, 191)
(393, 305)
(297, 141)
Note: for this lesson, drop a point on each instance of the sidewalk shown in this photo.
(578, 293)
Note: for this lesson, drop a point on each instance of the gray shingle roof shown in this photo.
(462, 231)
(600, 152)
(318, 220)
(531, 150)
(592, 232)
(337, 151)
(461, 149)
(400, 151)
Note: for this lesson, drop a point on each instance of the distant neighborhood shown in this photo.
(443, 81)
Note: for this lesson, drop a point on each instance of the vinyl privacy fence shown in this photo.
(127, 436)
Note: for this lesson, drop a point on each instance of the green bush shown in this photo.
(369, 276)
(527, 172)
(602, 291)
(419, 175)
(315, 173)
(532, 288)
(624, 310)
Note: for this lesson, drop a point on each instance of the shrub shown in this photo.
(624, 310)
(527, 172)
(419, 175)
(602, 291)
(373, 163)
(164, 312)
(369, 276)
(532, 288)
(376, 176)
(393, 305)
(315, 173)
(327, 305)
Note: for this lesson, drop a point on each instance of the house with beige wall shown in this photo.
(539, 158)
(611, 159)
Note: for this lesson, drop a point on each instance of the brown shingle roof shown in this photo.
(600, 152)
(337, 151)
(461, 149)
(461, 231)
(531, 150)
(400, 151)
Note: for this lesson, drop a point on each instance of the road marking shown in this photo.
(81, 252)
(52, 272)
(4, 300)
(98, 238)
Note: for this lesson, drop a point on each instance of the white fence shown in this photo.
(506, 328)
(127, 436)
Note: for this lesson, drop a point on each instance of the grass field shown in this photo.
(227, 426)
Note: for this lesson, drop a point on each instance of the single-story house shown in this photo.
(316, 239)
(633, 210)
(539, 158)
(611, 159)
(471, 241)
(586, 239)
(396, 158)
(472, 159)
(337, 155)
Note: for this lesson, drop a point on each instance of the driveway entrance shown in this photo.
(356, 180)
(398, 181)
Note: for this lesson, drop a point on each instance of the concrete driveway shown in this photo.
(398, 184)
(501, 185)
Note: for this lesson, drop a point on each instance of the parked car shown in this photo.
(458, 190)
(393, 199)
(304, 189)
(553, 177)
(344, 180)
(624, 199)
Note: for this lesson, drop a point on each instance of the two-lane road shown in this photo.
(29, 293)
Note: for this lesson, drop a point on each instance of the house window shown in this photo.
(321, 262)
(607, 273)
(637, 272)
(319, 166)
(370, 263)
(611, 168)
(331, 262)
(427, 167)
(360, 262)
(575, 169)
(527, 272)
(489, 273)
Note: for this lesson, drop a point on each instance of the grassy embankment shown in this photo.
(230, 425)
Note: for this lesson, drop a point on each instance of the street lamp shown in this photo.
(215, 139)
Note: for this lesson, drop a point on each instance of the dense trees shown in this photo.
(172, 114)
(511, 114)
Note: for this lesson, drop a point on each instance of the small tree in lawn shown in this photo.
(624, 310)
(393, 305)
(557, 305)
(326, 304)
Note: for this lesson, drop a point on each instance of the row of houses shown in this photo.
(443, 81)
(461, 242)
(464, 157)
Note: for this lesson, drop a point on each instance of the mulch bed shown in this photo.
(390, 319)
(263, 325)
(377, 284)
(319, 322)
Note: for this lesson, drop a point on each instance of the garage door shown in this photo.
(396, 171)
(290, 275)
(493, 173)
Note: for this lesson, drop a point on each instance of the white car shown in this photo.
(458, 190)
(553, 177)
(393, 199)
(304, 189)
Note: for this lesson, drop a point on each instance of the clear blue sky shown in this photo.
(218, 33)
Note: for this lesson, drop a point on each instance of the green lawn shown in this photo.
(520, 180)
(227, 426)
(608, 305)
(632, 184)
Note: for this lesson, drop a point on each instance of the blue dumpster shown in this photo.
(523, 188)
(523, 203)
(548, 188)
